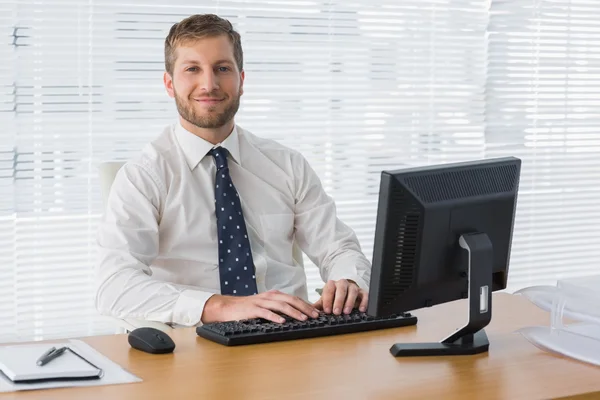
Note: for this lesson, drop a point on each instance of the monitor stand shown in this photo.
(471, 339)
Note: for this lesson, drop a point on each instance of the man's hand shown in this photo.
(221, 308)
(342, 295)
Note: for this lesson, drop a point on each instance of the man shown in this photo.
(202, 226)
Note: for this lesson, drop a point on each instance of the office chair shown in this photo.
(107, 172)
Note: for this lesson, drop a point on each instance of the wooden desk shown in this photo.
(356, 366)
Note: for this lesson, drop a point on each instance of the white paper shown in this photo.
(113, 373)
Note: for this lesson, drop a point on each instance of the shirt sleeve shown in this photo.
(128, 239)
(327, 241)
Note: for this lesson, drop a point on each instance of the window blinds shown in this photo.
(542, 106)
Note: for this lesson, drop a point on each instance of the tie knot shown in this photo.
(220, 156)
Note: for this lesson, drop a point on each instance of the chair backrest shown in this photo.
(107, 171)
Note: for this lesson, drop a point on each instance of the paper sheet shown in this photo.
(113, 373)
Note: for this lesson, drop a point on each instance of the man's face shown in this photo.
(206, 82)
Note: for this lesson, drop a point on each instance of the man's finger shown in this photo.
(293, 301)
(327, 296)
(299, 304)
(340, 296)
(364, 300)
(283, 308)
(268, 315)
(350, 298)
(318, 304)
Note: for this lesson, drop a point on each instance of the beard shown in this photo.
(212, 119)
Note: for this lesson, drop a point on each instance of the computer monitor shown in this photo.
(444, 233)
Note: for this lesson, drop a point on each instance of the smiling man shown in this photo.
(202, 226)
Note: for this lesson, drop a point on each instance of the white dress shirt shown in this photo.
(158, 252)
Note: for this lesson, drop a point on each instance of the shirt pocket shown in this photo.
(277, 231)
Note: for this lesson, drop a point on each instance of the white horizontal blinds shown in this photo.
(55, 195)
(129, 42)
(542, 105)
(359, 87)
(7, 136)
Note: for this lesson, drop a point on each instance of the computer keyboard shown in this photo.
(252, 331)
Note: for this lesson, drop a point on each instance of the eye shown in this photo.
(192, 69)
(223, 69)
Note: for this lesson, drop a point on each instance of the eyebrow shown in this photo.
(223, 61)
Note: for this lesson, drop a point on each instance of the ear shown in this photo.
(168, 81)
(242, 77)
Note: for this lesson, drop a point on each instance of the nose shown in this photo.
(210, 81)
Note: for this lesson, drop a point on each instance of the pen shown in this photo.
(50, 350)
(51, 356)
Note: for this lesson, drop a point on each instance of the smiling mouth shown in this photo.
(208, 101)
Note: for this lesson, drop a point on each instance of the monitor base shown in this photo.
(470, 339)
(466, 345)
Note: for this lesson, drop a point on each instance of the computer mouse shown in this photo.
(151, 340)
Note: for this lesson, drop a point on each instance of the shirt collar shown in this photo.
(195, 148)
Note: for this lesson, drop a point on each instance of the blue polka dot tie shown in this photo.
(236, 267)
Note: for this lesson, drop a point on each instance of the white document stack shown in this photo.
(574, 310)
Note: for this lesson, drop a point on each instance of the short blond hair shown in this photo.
(197, 27)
